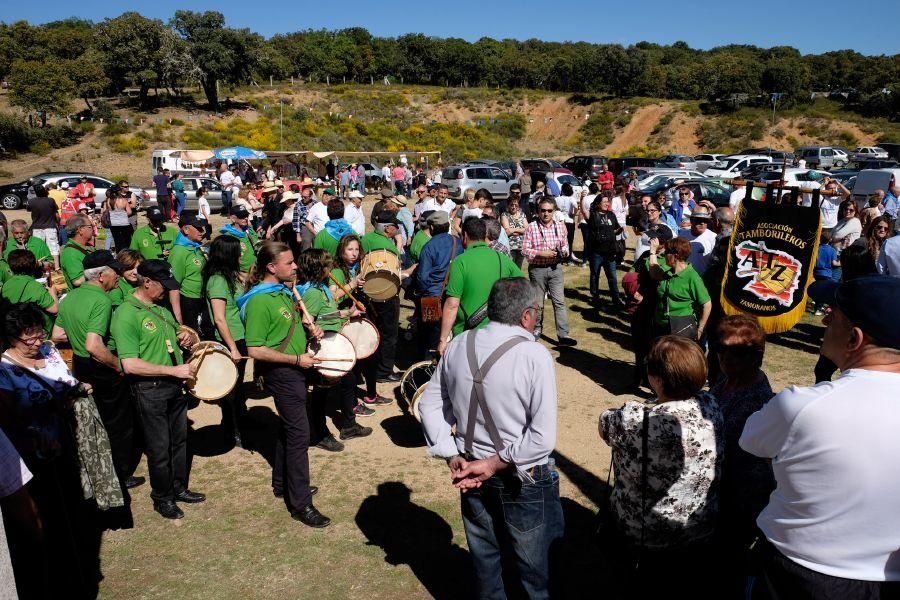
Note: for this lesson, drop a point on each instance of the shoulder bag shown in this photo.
(430, 306)
(681, 326)
(480, 314)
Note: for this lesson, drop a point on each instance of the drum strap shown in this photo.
(175, 327)
(287, 340)
(477, 397)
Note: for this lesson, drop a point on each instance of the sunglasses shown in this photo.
(546, 210)
(882, 228)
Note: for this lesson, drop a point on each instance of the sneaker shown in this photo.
(377, 400)
(361, 410)
(354, 431)
(330, 444)
(566, 341)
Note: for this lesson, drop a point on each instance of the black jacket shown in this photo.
(603, 229)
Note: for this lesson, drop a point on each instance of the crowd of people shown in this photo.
(716, 468)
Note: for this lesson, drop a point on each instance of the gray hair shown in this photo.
(492, 228)
(76, 222)
(18, 223)
(94, 274)
(510, 298)
(724, 214)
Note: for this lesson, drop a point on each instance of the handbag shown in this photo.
(430, 306)
(684, 326)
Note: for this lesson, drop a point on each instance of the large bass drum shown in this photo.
(413, 383)
(380, 270)
(364, 336)
(216, 372)
(337, 354)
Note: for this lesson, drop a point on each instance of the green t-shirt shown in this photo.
(152, 244)
(472, 275)
(217, 288)
(326, 241)
(268, 319)
(86, 309)
(36, 245)
(679, 294)
(317, 303)
(248, 249)
(23, 288)
(141, 330)
(71, 258)
(118, 294)
(338, 274)
(418, 242)
(375, 240)
(187, 265)
(5, 272)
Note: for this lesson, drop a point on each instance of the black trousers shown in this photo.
(783, 579)
(114, 403)
(162, 407)
(317, 407)
(121, 236)
(290, 473)
(195, 314)
(386, 317)
(165, 205)
(234, 405)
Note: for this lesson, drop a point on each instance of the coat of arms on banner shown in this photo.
(774, 275)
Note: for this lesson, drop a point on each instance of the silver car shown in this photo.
(460, 178)
(101, 185)
(191, 185)
(705, 161)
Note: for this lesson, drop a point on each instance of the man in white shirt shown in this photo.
(226, 179)
(353, 213)
(701, 237)
(442, 201)
(739, 193)
(386, 174)
(318, 212)
(832, 526)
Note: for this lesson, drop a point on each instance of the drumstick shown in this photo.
(346, 290)
(302, 306)
(333, 359)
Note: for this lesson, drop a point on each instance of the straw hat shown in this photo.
(289, 196)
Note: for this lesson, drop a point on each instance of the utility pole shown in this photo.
(775, 97)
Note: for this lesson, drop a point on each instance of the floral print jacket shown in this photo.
(685, 451)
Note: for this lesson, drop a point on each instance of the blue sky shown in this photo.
(867, 26)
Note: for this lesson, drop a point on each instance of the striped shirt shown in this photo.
(539, 237)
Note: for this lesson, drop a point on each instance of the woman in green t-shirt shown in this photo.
(349, 256)
(313, 268)
(221, 287)
(680, 292)
(130, 261)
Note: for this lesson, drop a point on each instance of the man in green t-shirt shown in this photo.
(335, 228)
(277, 343)
(23, 287)
(421, 238)
(5, 272)
(81, 235)
(383, 236)
(472, 275)
(147, 339)
(21, 239)
(187, 259)
(240, 228)
(155, 239)
(84, 316)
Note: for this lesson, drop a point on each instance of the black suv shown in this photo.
(586, 166)
(619, 165)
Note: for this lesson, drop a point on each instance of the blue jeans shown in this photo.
(180, 200)
(608, 264)
(527, 518)
(226, 202)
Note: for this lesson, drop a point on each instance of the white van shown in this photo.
(731, 166)
(169, 159)
(870, 180)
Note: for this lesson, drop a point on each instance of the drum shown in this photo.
(58, 280)
(380, 270)
(337, 353)
(413, 383)
(364, 336)
(216, 372)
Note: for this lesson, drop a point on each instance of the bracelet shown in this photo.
(297, 360)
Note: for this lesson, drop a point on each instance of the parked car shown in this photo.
(16, 195)
(191, 185)
(891, 148)
(823, 157)
(585, 167)
(778, 156)
(755, 171)
(654, 178)
(493, 180)
(844, 175)
(705, 161)
(620, 165)
(795, 176)
(507, 165)
(731, 166)
(373, 174)
(678, 161)
(863, 153)
(871, 180)
(880, 163)
(704, 189)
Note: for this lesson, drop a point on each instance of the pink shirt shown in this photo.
(398, 173)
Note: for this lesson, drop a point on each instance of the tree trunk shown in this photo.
(212, 96)
(43, 114)
(88, 103)
(145, 90)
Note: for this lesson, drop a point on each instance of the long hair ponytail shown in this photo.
(269, 251)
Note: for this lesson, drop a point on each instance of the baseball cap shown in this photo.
(240, 211)
(385, 218)
(158, 270)
(438, 217)
(101, 258)
(192, 220)
(329, 191)
(864, 301)
(356, 194)
(155, 214)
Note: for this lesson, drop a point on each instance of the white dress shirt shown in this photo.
(434, 204)
(318, 216)
(520, 391)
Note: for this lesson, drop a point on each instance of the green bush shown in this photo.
(732, 131)
(116, 127)
(17, 136)
(103, 110)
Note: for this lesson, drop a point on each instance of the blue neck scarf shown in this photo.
(304, 287)
(181, 240)
(338, 228)
(261, 288)
(231, 229)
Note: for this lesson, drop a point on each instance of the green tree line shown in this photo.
(50, 65)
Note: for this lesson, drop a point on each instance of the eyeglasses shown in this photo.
(546, 210)
(652, 210)
(882, 228)
(31, 340)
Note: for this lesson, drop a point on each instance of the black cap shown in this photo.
(661, 232)
(515, 188)
(190, 219)
(154, 213)
(101, 258)
(158, 270)
(424, 216)
(386, 218)
(865, 301)
(240, 211)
